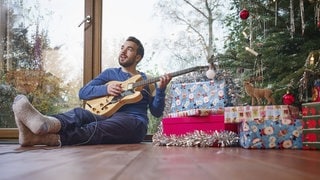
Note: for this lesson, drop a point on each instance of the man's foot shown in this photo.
(27, 115)
(27, 138)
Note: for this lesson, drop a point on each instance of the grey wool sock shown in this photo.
(27, 115)
(27, 138)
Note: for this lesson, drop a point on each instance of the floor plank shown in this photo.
(145, 161)
(81, 162)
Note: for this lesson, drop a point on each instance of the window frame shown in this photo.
(92, 40)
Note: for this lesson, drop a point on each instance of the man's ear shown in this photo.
(138, 58)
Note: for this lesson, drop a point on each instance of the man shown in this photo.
(79, 126)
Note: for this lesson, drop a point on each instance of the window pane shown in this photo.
(41, 55)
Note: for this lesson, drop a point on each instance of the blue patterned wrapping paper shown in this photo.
(198, 95)
(271, 134)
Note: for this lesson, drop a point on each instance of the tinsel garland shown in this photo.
(197, 139)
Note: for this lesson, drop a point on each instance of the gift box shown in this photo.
(271, 134)
(198, 95)
(208, 124)
(311, 133)
(311, 125)
(238, 114)
(311, 139)
(311, 146)
(310, 109)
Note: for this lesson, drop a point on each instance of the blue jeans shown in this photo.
(79, 127)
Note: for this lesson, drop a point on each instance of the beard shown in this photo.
(126, 63)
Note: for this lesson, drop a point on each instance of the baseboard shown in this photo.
(9, 133)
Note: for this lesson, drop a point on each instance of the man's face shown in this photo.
(128, 54)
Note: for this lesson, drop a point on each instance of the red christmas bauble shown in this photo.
(244, 14)
(288, 99)
(318, 24)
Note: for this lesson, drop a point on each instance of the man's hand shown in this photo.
(114, 89)
(164, 81)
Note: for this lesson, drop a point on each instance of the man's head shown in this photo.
(132, 52)
(140, 46)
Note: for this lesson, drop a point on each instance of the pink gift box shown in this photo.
(208, 124)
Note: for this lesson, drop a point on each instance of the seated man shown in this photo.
(79, 126)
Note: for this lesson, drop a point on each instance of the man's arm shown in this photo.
(97, 87)
(157, 105)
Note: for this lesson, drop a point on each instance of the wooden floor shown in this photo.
(145, 161)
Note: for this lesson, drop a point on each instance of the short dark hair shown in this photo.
(140, 46)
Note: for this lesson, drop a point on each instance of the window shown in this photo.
(41, 54)
(48, 52)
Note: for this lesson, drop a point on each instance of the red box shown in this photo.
(183, 125)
